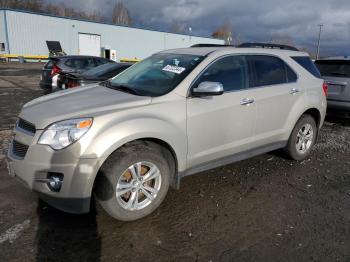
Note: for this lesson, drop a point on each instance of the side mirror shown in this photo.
(208, 89)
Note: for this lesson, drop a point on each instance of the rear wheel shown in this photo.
(302, 138)
(133, 182)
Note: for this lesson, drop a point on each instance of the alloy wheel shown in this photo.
(305, 138)
(138, 186)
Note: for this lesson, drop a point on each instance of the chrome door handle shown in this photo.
(247, 101)
(294, 91)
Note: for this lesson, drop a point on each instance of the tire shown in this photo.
(119, 174)
(295, 148)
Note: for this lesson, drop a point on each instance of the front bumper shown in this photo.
(40, 161)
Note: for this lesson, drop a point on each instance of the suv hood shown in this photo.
(88, 101)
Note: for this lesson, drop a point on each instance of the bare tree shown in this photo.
(237, 40)
(178, 28)
(32, 5)
(96, 16)
(307, 50)
(11, 3)
(225, 32)
(121, 15)
(282, 39)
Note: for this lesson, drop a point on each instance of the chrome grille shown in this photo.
(19, 149)
(27, 126)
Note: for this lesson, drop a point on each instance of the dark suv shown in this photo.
(68, 64)
(91, 76)
(336, 72)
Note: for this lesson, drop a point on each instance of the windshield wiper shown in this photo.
(122, 88)
(106, 83)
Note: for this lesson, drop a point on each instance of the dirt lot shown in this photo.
(264, 209)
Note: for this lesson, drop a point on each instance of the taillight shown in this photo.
(55, 70)
(72, 84)
(325, 88)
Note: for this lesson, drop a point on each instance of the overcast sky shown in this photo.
(253, 20)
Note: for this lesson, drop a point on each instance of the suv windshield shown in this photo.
(340, 68)
(156, 75)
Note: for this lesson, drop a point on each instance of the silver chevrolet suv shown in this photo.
(176, 113)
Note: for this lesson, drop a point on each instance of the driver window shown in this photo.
(230, 71)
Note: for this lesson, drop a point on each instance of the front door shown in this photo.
(221, 126)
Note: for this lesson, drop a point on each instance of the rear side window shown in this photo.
(306, 62)
(100, 61)
(230, 71)
(80, 63)
(114, 72)
(68, 63)
(291, 76)
(337, 68)
(269, 70)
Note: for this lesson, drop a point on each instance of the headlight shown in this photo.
(62, 134)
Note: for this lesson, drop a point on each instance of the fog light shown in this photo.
(55, 181)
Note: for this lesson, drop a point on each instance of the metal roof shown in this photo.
(95, 22)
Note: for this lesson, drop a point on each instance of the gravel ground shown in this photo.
(267, 208)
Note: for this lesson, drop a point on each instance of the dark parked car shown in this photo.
(68, 64)
(336, 72)
(94, 75)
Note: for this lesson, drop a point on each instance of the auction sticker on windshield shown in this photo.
(174, 69)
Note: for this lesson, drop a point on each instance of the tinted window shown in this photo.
(270, 70)
(102, 69)
(80, 63)
(100, 61)
(68, 63)
(291, 76)
(337, 68)
(306, 62)
(114, 72)
(230, 71)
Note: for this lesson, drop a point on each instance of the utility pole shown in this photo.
(319, 41)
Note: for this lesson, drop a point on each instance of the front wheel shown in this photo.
(302, 139)
(133, 182)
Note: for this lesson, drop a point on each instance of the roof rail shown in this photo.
(267, 45)
(210, 45)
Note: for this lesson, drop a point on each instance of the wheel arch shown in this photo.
(316, 114)
(294, 118)
(166, 148)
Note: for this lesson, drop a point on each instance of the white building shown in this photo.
(25, 33)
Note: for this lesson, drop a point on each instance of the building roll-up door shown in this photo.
(89, 44)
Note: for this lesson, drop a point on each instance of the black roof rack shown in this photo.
(268, 45)
(210, 45)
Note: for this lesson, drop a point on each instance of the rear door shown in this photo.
(276, 91)
(337, 75)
